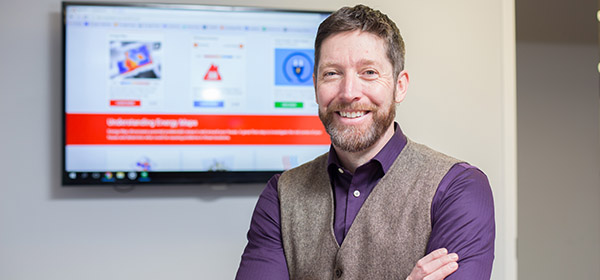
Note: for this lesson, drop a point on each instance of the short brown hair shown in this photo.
(363, 18)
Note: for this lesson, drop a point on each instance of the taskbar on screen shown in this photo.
(95, 178)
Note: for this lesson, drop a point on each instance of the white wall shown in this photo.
(461, 100)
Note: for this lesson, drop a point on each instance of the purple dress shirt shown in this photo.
(462, 215)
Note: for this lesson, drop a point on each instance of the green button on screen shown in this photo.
(289, 104)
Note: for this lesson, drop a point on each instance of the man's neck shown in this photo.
(352, 160)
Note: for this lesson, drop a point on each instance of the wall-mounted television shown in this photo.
(170, 94)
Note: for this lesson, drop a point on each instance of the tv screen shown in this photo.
(167, 94)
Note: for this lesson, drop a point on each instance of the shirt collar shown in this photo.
(385, 157)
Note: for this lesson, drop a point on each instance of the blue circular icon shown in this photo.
(297, 68)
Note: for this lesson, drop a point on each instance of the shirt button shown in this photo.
(356, 193)
(338, 273)
(341, 170)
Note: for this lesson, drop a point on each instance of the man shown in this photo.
(377, 206)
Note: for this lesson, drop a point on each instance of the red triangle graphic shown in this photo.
(212, 74)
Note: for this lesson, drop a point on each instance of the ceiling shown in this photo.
(557, 21)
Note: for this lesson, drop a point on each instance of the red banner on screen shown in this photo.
(107, 129)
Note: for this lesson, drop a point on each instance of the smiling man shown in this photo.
(377, 205)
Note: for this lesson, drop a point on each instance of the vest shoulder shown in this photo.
(305, 172)
(427, 155)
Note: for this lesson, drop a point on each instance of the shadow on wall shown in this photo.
(54, 121)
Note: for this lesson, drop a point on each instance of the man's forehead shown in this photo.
(355, 47)
(355, 60)
(353, 35)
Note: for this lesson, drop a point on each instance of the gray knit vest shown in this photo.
(389, 234)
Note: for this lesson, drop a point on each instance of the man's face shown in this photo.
(356, 90)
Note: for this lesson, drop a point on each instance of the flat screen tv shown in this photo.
(170, 94)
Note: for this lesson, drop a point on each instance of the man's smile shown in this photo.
(352, 114)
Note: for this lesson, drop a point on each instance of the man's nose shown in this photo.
(350, 88)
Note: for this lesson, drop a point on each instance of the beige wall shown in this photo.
(460, 55)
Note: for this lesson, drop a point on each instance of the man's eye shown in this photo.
(370, 74)
(329, 74)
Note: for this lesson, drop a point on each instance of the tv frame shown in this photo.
(158, 177)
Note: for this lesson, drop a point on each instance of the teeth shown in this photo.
(352, 115)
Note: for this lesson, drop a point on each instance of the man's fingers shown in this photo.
(442, 272)
(433, 255)
(436, 265)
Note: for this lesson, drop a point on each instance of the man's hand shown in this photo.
(435, 266)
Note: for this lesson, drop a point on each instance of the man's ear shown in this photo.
(401, 86)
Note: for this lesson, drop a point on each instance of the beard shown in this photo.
(350, 138)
